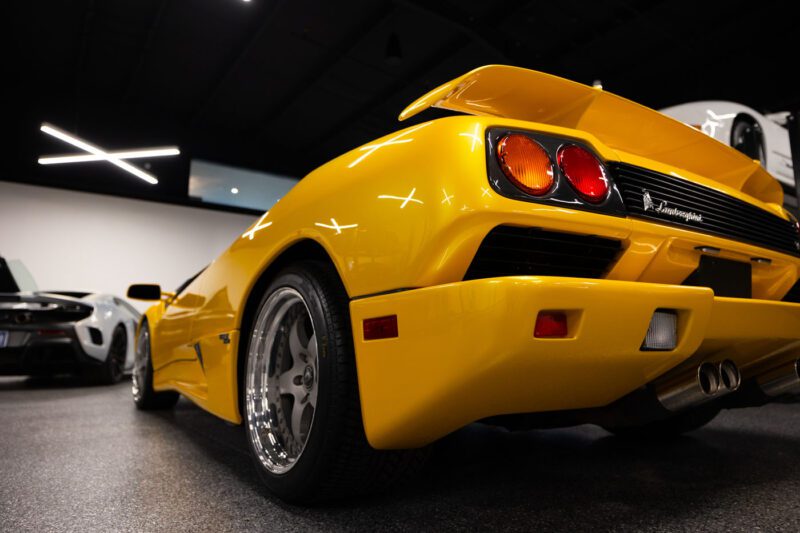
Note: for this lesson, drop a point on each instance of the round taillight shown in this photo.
(525, 163)
(584, 172)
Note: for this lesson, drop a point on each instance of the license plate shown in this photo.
(726, 277)
(3, 339)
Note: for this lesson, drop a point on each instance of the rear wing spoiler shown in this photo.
(517, 93)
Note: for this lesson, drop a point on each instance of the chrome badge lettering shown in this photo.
(663, 209)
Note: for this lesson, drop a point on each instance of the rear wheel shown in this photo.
(112, 369)
(144, 396)
(300, 394)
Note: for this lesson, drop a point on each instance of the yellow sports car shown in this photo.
(552, 255)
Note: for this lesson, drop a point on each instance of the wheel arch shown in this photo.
(302, 250)
(747, 118)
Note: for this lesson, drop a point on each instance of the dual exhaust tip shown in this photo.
(706, 382)
(713, 380)
(718, 378)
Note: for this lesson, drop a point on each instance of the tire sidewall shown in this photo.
(323, 429)
(147, 380)
(112, 376)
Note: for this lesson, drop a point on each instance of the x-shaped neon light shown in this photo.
(95, 153)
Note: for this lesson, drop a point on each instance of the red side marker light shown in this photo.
(550, 324)
(382, 327)
(51, 332)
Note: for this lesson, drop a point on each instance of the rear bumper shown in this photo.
(466, 350)
(30, 353)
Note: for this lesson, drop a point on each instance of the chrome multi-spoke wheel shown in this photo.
(299, 390)
(282, 380)
(140, 358)
(144, 395)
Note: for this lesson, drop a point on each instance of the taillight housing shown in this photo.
(584, 171)
(550, 169)
(526, 163)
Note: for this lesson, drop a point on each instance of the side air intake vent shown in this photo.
(514, 251)
(794, 294)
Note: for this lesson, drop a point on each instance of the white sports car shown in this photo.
(58, 332)
(758, 136)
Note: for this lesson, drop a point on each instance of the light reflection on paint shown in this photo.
(371, 148)
(447, 197)
(404, 199)
(475, 136)
(258, 227)
(714, 121)
(336, 226)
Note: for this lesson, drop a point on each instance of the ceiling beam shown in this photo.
(136, 73)
(80, 62)
(344, 48)
(238, 57)
(412, 79)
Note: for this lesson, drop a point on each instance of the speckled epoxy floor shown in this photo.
(78, 458)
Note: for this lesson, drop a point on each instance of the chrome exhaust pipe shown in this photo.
(780, 381)
(729, 376)
(694, 388)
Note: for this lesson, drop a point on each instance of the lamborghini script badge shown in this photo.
(663, 209)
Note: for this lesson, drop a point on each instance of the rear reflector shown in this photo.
(550, 324)
(382, 327)
(52, 332)
(663, 331)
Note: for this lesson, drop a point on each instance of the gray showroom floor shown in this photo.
(83, 459)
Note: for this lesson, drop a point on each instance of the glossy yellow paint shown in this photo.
(466, 350)
(512, 92)
(408, 211)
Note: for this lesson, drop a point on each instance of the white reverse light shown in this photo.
(99, 154)
(234, 190)
(662, 334)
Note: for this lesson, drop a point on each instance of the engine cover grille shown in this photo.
(678, 202)
(514, 251)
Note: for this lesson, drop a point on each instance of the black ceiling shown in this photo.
(283, 86)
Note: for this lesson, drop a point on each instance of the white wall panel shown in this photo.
(81, 241)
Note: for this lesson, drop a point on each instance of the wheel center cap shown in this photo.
(308, 377)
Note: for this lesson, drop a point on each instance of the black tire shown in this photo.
(144, 396)
(336, 460)
(112, 369)
(671, 427)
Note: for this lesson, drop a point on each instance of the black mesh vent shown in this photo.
(794, 294)
(513, 251)
(644, 191)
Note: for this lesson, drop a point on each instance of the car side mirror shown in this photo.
(145, 291)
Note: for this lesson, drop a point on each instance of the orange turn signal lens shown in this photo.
(525, 163)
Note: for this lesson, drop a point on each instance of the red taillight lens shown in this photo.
(550, 324)
(586, 174)
(382, 327)
(525, 163)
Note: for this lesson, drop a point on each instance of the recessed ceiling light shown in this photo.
(95, 153)
(234, 190)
